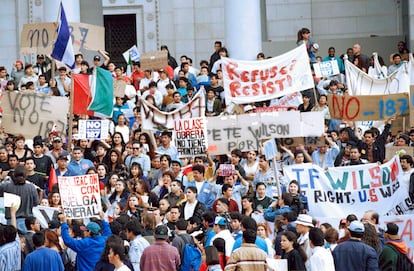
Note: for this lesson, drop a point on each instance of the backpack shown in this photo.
(403, 262)
(191, 257)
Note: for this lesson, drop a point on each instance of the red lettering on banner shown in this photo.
(189, 124)
(283, 70)
(230, 68)
(233, 89)
(342, 108)
(292, 65)
(264, 74)
(407, 230)
(244, 76)
(271, 88)
(273, 72)
(375, 175)
(394, 170)
(254, 74)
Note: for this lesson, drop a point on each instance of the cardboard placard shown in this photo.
(326, 68)
(154, 60)
(393, 150)
(119, 88)
(32, 114)
(81, 196)
(305, 141)
(93, 129)
(38, 38)
(368, 107)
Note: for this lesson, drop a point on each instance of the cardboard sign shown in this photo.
(154, 60)
(119, 88)
(38, 38)
(191, 137)
(32, 114)
(411, 106)
(270, 149)
(245, 131)
(369, 107)
(396, 150)
(326, 68)
(254, 81)
(155, 119)
(93, 129)
(80, 195)
(274, 108)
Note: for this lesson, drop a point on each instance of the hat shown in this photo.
(96, 58)
(305, 220)
(41, 56)
(220, 221)
(161, 232)
(92, 227)
(356, 226)
(392, 229)
(57, 138)
(248, 108)
(63, 156)
(19, 62)
(177, 161)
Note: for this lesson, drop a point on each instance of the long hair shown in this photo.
(300, 33)
(53, 239)
(212, 256)
(112, 240)
(220, 245)
(292, 238)
(370, 236)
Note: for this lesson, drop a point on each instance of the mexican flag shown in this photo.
(93, 94)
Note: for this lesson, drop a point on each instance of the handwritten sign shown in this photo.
(326, 68)
(253, 81)
(155, 119)
(343, 190)
(32, 114)
(93, 129)
(398, 150)
(270, 149)
(191, 137)
(80, 196)
(411, 106)
(45, 214)
(369, 107)
(38, 38)
(306, 141)
(274, 108)
(245, 131)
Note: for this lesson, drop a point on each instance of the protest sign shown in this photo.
(132, 53)
(38, 38)
(343, 190)
(412, 106)
(253, 81)
(293, 99)
(155, 119)
(11, 200)
(154, 60)
(45, 214)
(119, 88)
(80, 196)
(93, 129)
(32, 114)
(191, 137)
(326, 68)
(270, 149)
(245, 131)
(274, 108)
(398, 150)
(306, 141)
(368, 107)
(360, 83)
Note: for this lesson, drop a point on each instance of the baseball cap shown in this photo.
(96, 58)
(220, 221)
(63, 157)
(161, 232)
(177, 161)
(92, 227)
(57, 138)
(248, 108)
(356, 226)
(392, 229)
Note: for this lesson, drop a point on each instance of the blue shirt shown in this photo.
(79, 167)
(11, 256)
(260, 243)
(171, 151)
(43, 259)
(270, 213)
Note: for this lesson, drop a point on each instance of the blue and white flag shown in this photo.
(63, 49)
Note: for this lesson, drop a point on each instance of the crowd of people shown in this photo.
(210, 212)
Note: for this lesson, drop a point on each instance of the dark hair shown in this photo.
(19, 175)
(249, 223)
(112, 240)
(212, 256)
(287, 198)
(249, 236)
(38, 239)
(134, 226)
(209, 217)
(297, 184)
(316, 236)
(236, 216)
(225, 187)
(351, 217)
(301, 32)
(181, 224)
(220, 245)
(370, 236)
(258, 184)
(152, 84)
(409, 159)
(193, 189)
(29, 220)
(292, 238)
(331, 235)
(198, 168)
(237, 152)
(224, 200)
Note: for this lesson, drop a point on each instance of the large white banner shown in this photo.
(245, 131)
(155, 119)
(80, 195)
(253, 81)
(360, 83)
(340, 191)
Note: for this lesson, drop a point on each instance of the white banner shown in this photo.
(191, 137)
(155, 119)
(92, 129)
(80, 195)
(254, 81)
(245, 131)
(340, 191)
(360, 83)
